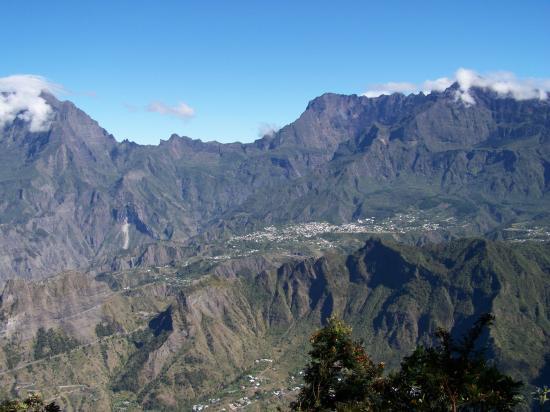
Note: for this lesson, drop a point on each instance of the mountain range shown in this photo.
(74, 198)
(191, 274)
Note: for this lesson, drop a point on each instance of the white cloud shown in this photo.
(181, 110)
(267, 129)
(20, 98)
(437, 85)
(390, 88)
(505, 84)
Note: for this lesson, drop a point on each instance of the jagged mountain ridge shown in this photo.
(73, 195)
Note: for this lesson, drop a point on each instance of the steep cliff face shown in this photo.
(73, 195)
(170, 340)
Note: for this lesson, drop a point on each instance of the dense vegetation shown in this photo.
(145, 341)
(33, 403)
(452, 376)
(52, 342)
(107, 328)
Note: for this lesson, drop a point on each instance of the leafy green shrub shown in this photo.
(33, 403)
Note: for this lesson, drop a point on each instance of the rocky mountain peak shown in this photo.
(342, 159)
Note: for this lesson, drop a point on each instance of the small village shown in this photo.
(524, 231)
(399, 224)
(256, 387)
(412, 222)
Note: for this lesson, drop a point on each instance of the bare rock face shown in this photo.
(74, 196)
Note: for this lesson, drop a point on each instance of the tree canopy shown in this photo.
(33, 403)
(454, 375)
(340, 371)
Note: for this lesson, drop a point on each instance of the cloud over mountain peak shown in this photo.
(504, 84)
(21, 98)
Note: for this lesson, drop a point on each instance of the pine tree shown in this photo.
(452, 376)
(340, 371)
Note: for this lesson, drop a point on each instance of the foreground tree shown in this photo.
(452, 376)
(339, 372)
(541, 396)
(33, 403)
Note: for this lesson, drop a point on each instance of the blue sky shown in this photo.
(242, 65)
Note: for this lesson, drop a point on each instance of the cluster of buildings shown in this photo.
(399, 223)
